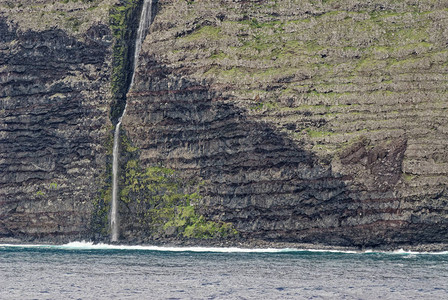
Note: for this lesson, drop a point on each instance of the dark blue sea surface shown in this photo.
(86, 271)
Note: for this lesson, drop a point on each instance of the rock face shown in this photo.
(305, 121)
(308, 122)
(54, 104)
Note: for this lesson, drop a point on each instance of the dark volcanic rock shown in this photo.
(53, 107)
(308, 122)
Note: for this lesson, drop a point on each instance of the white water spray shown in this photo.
(145, 21)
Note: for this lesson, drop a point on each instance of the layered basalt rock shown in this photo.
(309, 122)
(304, 121)
(54, 104)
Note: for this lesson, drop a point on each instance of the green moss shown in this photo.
(109, 142)
(101, 209)
(121, 18)
(312, 107)
(318, 134)
(127, 144)
(409, 46)
(233, 72)
(264, 106)
(101, 203)
(404, 36)
(232, 75)
(242, 74)
(166, 204)
(218, 56)
(367, 65)
(409, 63)
(205, 32)
(408, 177)
(204, 230)
(260, 42)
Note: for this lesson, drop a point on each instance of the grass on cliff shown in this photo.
(121, 19)
(166, 205)
(205, 32)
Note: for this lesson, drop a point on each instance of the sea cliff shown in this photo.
(319, 122)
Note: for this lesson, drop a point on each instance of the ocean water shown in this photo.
(86, 271)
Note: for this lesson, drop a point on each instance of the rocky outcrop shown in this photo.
(54, 104)
(308, 122)
(287, 121)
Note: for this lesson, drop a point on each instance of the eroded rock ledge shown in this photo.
(311, 123)
(55, 65)
(319, 122)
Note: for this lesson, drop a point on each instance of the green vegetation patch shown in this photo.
(318, 134)
(165, 204)
(408, 177)
(101, 208)
(121, 19)
(101, 203)
(264, 106)
(205, 32)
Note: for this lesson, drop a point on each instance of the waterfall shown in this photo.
(145, 21)
(114, 205)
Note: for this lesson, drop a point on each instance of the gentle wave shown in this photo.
(401, 251)
(91, 245)
(83, 245)
(100, 246)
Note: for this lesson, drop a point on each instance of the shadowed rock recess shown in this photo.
(285, 121)
(55, 65)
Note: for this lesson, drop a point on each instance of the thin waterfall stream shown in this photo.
(145, 22)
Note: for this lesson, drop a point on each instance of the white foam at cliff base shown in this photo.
(405, 252)
(91, 246)
(100, 246)
(83, 245)
(401, 251)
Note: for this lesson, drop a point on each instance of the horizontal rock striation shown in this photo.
(308, 122)
(300, 121)
(54, 104)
